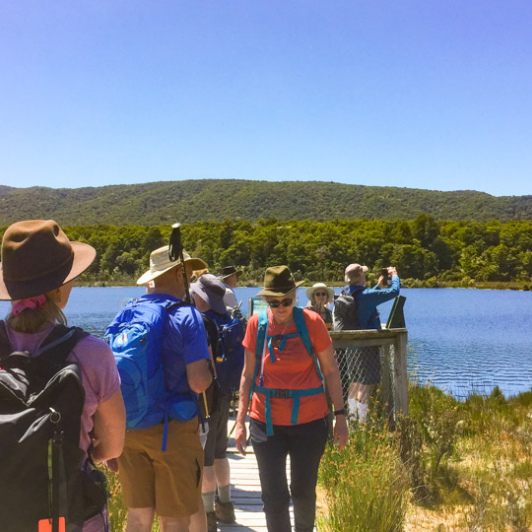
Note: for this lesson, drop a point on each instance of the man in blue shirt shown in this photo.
(366, 361)
(169, 482)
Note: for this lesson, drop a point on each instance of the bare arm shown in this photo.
(331, 374)
(198, 375)
(109, 429)
(243, 401)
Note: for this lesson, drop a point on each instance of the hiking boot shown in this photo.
(225, 511)
(212, 525)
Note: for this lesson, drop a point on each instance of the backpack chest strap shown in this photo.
(280, 341)
(284, 394)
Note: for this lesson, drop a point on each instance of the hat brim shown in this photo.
(273, 293)
(83, 257)
(313, 289)
(195, 264)
(216, 305)
(238, 273)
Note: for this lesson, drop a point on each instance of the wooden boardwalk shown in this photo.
(245, 492)
(245, 488)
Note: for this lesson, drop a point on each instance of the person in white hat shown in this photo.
(319, 298)
(166, 482)
(366, 365)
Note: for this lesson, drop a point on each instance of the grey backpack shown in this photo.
(345, 313)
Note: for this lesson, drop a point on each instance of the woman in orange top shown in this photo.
(288, 397)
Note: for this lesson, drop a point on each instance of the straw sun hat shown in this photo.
(37, 257)
(160, 263)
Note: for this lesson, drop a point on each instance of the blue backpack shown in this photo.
(135, 337)
(229, 354)
(262, 337)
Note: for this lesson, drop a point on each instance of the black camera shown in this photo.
(384, 273)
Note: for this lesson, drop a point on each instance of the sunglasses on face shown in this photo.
(320, 294)
(275, 303)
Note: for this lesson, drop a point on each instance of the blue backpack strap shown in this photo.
(299, 319)
(261, 338)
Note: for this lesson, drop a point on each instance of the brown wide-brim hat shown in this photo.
(37, 257)
(160, 263)
(278, 281)
(227, 271)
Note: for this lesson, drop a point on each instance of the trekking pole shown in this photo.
(175, 251)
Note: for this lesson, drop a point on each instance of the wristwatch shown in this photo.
(341, 412)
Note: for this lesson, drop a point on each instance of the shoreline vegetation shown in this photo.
(426, 252)
(405, 283)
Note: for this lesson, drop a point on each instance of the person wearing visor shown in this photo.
(288, 359)
(319, 298)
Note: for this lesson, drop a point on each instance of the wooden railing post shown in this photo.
(401, 373)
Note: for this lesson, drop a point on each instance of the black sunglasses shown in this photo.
(320, 294)
(275, 303)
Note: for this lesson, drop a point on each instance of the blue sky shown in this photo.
(433, 95)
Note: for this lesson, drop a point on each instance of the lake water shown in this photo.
(461, 340)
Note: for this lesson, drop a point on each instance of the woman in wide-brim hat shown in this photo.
(319, 298)
(39, 265)
(289, 413)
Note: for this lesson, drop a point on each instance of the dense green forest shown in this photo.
(425, 251)
(211, 200)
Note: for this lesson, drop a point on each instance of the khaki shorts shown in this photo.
(168, 481)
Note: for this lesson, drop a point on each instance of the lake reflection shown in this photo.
(461, 340)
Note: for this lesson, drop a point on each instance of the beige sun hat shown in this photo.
(160, 263)
(310, 291)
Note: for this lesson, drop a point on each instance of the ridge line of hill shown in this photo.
(203, 200)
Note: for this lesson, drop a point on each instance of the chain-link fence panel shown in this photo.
(367, 375)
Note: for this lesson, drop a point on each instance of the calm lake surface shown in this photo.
(461, 340)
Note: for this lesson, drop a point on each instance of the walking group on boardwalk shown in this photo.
(152, 401)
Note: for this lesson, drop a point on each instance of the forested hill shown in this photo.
(215, 199)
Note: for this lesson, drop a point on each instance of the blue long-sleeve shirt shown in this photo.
(369, 298)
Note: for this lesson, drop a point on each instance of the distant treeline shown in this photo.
(423, 250)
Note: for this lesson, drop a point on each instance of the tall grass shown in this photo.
(456, 465)
(367, 484)
(115, 504)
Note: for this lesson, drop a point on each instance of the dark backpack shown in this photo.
(345, 313)
(229, 355)
(41, 403)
